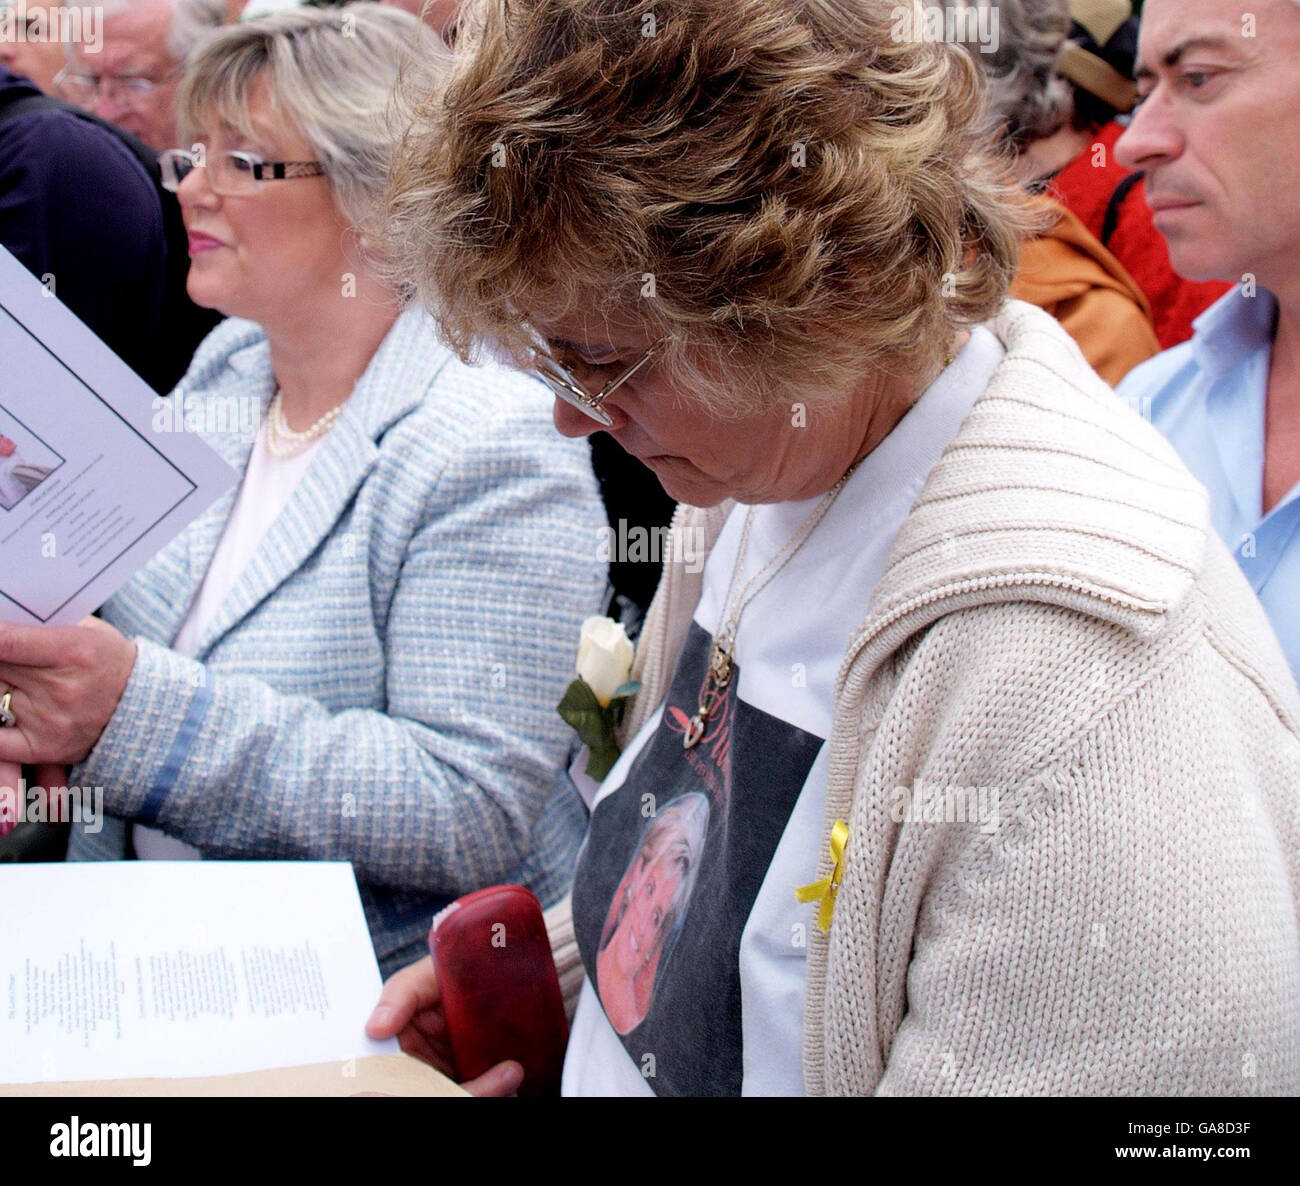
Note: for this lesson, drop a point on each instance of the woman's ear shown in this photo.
(357, 251)
(365, 246)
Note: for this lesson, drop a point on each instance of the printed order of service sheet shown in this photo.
(139, 969)
(89, 490)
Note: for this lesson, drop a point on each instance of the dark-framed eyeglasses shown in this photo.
(563, 383)
(231, 173)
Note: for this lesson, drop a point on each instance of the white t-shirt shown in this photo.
(684, 899)
(268, 485)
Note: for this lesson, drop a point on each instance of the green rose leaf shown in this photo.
(580, 709)
(600, 760)
(595, 725)
(578, 697)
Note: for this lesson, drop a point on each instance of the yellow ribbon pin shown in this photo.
(826, 889)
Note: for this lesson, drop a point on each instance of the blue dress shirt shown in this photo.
(1208, 397)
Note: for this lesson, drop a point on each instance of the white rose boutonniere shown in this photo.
(593, 704)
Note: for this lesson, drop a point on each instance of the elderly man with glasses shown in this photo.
(132, 80)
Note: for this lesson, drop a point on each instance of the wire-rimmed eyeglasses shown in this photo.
(564, 384)
(126, 90)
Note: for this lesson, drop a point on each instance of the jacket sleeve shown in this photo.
(1120, 931)
(439, 792)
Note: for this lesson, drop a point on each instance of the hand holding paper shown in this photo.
(65, 685)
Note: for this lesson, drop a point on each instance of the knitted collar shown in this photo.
(1052, 490)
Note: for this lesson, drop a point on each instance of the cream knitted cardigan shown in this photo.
(1058, 622)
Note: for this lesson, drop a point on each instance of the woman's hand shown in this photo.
(66, 683)
(410, 1007)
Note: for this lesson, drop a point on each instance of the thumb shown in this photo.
(502, 1079)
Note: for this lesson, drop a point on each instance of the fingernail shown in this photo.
(381, 1016)
(512, 1077)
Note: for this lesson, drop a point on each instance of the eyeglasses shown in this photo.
(231, 174)
(564, 384)
(132, 91)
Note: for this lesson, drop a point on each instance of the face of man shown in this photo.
(1215, 135)
(135, 40)
(27, 46)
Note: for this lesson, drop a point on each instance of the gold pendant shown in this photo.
(714, 691)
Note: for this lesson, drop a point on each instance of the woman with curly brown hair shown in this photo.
(1000, 755)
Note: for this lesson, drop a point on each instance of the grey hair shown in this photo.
(1027, 98)
(193, 21)
(331, 72)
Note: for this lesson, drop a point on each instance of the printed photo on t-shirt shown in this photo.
(673, 863)
(649, 907)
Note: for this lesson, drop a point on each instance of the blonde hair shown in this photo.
(331, 72)
(676, 834)
(804, 196)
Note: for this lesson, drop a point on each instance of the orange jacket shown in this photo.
(1073, 277)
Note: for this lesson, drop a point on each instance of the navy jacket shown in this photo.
(77, 206)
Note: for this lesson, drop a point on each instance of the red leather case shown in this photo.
(500, 994)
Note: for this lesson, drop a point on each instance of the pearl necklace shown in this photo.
(283, 441)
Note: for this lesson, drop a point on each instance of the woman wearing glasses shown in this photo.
(357, 654)
(1002, 761)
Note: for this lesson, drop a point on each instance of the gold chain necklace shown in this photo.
(721, 662)
(283, 441)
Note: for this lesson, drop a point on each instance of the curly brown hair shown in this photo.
(805, 195)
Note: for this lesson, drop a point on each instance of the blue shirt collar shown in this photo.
(1232, 329)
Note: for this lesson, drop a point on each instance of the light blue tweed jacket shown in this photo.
(380, 685)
